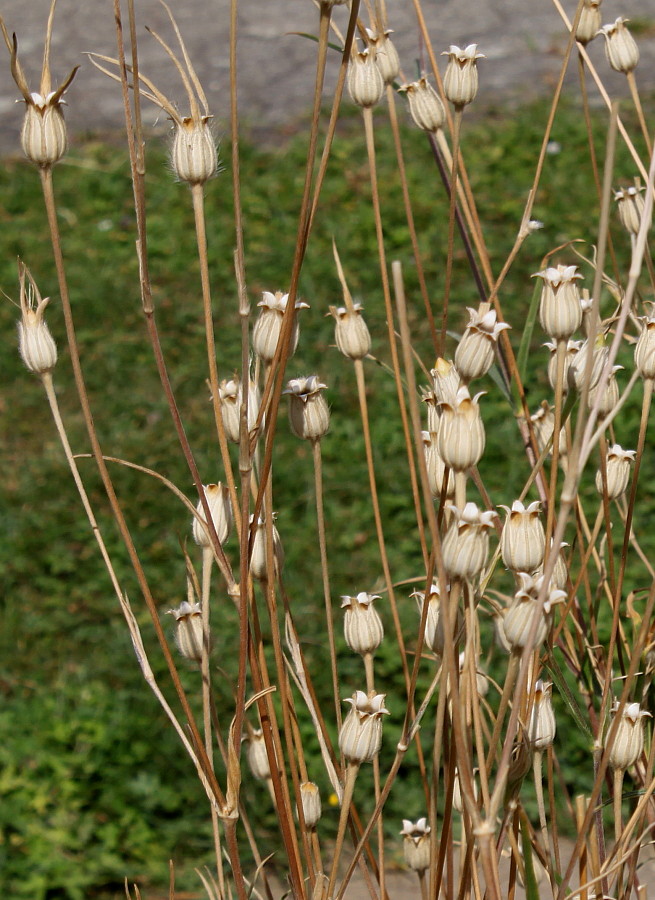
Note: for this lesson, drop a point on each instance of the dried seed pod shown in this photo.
(543, 422)
(542, 720)
(445, 381)
(218, 499)
(630, 204)
(466, 545)
(350, 331)
(618, 465)
(416, 844)
(386, 55)
(310, 799)
(460, 82)
(230, 393)
(36, 345)
(436, 468)
(578, 366)
(559, 578)
(645, 347)
(560, 310)
(193, 152)
(309, 415)
(589, 22)
(621, 48)
(572, 350)
(458, 802)
(268, 327)
(365, 81)
(189, 630)
(609, 397)
(523, 540)
(257, 756)
(360, 737)
(434, 633)
(258, 567)
(475, 352)
(425, 106)
(460, 437)
(362, 626)
(629, 740)
(519, 617)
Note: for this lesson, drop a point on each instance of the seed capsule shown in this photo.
(351, 332)
(645, 347)
(618, 465)
(189, 631)
(542, 720)
(416, 844)
(310, 799)
(258, 567)
(460, 437)
(589, 21)
(386, 55)
(268, 327)
(621, 48)
(365, 81)
(578, 367)
(218, 499)
(475, 352)
(436, 468)
(572, 350)
(630, 203)
(445, 381)
(362, 626)
(519, 617)
(309, 415)
(36, 345)
(257, 756)
(560, 310)
(610, 395)
(360, 737)
(523, 541)
(193, 153)
(425, 106)
(434, 632)
(629, 741)
(466, 545)
(230, 393)
(460, 82)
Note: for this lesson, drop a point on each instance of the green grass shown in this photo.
(94, 785)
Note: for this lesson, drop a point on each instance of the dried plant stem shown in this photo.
(370, 688)
(457, 125)
(537, 769)
(636, 99)
(508, 687)
(348, 789)
(559, 392)
(618, 797)
(325, 575)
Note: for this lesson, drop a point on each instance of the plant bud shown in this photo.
(434, 633)
(446, 382)
(230, 393)
(609, 397)
(620, 47)
(386, 55)
(460, 81)
(630, 203)
(268, 327)
(258, 568)
(560, 311)
(43, 136)
(309, 415)
(218, 499)
(351, 332)
(436, 468)
(542, 720)
(425, 106)
(618, 466)
(645, 347)
(193, 153)
(466, 545)
(310, 799)
(257, 756)
(578, 366)
(36, 345)
(523, 541)
(416, 844)
(475, 352)
(572, 350)
(365, 81)
(362, 626)
(189, 631)
(361, 732)
(589, 22)
(629, 741)
(518, 618)
(460, 438)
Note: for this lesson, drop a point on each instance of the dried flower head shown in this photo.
(361, 732)
(519, 618)
(309, 415)
(466, 545)
(416, 844)
(460, 436)
(362, 626)
(475, 352)
(589, 21)
(578, 368)
(189, 630)
(268, 327)
(36, 345)
(258, 564)
(230, 394)
(365, 81)
(434, 633)
(445, 381)
(256, 754)
(218, 500)
(621, 48)
(630, 203)
(460, 82)
(570, 353)
(609, 396)
(350, 331)
(618, 465)
(310, 799)
(436, 468)
(560, 311)
(628, 742)
(386, 54)
(645, 346)
(425, 106)
(542, 726)
(523, 541)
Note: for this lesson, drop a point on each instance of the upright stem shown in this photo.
(348, 789)
(457, 123)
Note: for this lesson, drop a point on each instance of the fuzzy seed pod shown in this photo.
(386, 55)
(460, 438)
(460, 82)
(309, 415)
(578, 366)
(560, 310)
(436, 468)
(645, 347)
(618, 465)
(350, 331)
(621, 48)
(629, 741)
(572, 350)
(310, 799)
(36, 345)
(188, 632)
(362, 626)
(416, 844)
(425, 106)
(589, 22)
(518, 618)
(542, 721)
(466, 545)
(434, 633)
(523, 541)
(268, 327)
(218, 499)
(365, 81)
(257, 756)
(630, 203)
(475, 352)
(193, 153)
(230, 393)
(258, 568)
(609, 397)
(361, 732)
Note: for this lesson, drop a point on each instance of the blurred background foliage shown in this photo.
(94, 785)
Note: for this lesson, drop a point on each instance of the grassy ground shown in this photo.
(93, 784)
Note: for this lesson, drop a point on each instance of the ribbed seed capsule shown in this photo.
(609, 397)
(36, 345)
(629, 740)
(309, 415)
(618, 466)
(621, 48)
(572, 350)
(460, 81)
(560, 310)
(578, 368)
(350, 331)
(645, 347)
(476, 350)
(362, 626)
(434, 625)
(461, 438)
(425, 106)
(589, 21)
(519, 617)
(542, 720)
(43, 136)
(523, 540)
(630, 203)
(230, 393)
(560, 577)
(268, 327)
(257, 756)
(310, 799)
(386, 55)
(436, 468)
(416, 844)
(360, 737)
(466, 545)
(258, 567)
(193, 153)
(445, 381)
(188, 631)
(218, 500)
(543, 422)
(365, 81)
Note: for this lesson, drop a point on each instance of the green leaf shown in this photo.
(558, 677)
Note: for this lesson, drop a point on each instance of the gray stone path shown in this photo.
(522, 40)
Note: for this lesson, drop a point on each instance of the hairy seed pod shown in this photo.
(258, 567)
(589, 22)
(189, 630)
(386, 55)
(268, 327)
(193, 153)
(43, 136)
(630, 204)
(476, 350)
(351, 331)
(519, 617)
(560, 310)
(35, 343)
(230, 394)
(309, 415)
